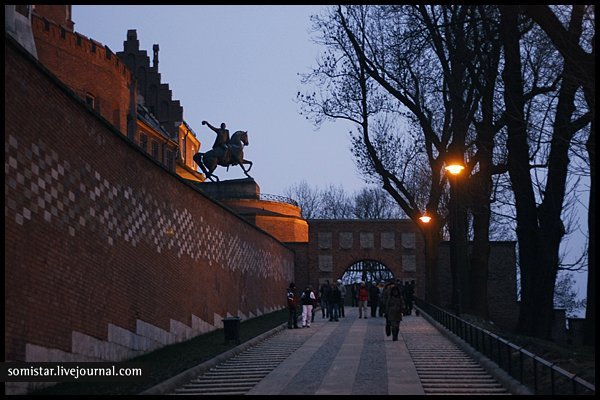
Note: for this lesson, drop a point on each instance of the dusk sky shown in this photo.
(239, 64)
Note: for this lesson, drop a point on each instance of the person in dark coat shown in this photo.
(335, 297)
(292, 307)
(374, 298)
(394, 306)
(324, 297)
(354, 291)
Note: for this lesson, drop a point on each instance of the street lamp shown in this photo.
(455, 168)
(425, 218)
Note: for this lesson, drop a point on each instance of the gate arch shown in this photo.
(334, 245)
(366, 271)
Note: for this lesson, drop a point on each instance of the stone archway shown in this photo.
(366, 271)
(335, 245)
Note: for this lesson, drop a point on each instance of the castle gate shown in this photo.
(366, 248)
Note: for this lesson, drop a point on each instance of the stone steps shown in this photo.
(443, 368)
(242, 372)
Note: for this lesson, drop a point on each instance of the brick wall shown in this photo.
(88, 66)
(102, 264)
(397, 244)
(502, 282)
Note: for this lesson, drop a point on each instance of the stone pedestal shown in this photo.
(245, 188)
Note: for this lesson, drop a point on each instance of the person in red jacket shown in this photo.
(363, 298)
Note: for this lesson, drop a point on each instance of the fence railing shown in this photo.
(277, 198)
(534, 372)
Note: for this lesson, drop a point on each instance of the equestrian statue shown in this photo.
(226, 151)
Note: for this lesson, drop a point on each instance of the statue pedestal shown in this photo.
(277, 217)
(245, 188)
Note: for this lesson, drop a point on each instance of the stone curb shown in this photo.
(181, 379)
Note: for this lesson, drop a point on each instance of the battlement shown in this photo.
(86, 48)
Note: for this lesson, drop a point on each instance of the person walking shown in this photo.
(363, 298)
(384, 295)
(354, 293)
(324, 296)
(394, 306)
(373, 298)
(307, 298)
(292, 310)
(380, 287)
(342, 290)
(334, 302)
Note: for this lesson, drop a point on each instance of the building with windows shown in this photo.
(123, 88)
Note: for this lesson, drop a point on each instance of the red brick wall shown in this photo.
(85, 70)
(344, 258)
(60, 14)
(97, 233)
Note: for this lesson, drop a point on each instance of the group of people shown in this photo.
(332, 297)
(393, 299)
(307, 299)
(372, 298)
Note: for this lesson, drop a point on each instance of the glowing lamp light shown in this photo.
(425, 218)
(455, 169)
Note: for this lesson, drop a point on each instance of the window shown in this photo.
(169, 160)
(192, 162)
(155, 149)
(144, 142)
(90, 100)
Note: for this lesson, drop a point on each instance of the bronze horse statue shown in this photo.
(232, 154)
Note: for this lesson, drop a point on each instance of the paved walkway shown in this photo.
(352, 356)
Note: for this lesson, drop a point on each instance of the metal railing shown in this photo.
(539, 375)
(277, 198)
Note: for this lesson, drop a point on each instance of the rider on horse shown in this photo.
(226, 151)
(222, 138)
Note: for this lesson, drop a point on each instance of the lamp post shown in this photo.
(431, 236)
(458, 236)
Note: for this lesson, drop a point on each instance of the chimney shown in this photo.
(155, 61)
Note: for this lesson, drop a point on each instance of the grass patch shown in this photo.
(169, 361)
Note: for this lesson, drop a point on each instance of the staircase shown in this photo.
(442, 367)
(240, 373)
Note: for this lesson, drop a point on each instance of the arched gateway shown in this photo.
(365, 249)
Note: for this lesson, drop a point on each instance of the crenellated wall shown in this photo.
(108, 255)
(89, 66)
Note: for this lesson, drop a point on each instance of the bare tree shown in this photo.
(375, 203)
(441, 63)
(540, 228)
(348, 92)
(565, 295)
(335, 203)
(308, 199)
(576, 43)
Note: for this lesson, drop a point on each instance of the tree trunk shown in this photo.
(518, 169)
(431, 235)
(480, 252)
(567, 42)
(589, 335)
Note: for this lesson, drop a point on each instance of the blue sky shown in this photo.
(239, 65)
